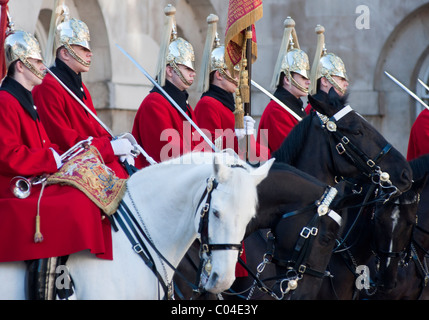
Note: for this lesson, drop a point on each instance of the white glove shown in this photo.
(128, 158)
(240, 133)
(127, 136)
(121, 147)
(57, 158)
(249, 125)
(249, 128)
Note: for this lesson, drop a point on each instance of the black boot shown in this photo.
(41, 278)
(64, 282)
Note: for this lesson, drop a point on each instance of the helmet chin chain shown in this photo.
(179, 73)
(228, 77)
(335, 84)
(76, 56)
(33, 69)
(295, 83)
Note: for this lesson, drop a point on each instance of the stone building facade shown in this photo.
(370, 36)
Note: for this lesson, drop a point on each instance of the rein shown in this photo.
(297, 265)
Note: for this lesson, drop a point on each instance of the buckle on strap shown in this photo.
(137, 248)
(340, 148)
(306, 232)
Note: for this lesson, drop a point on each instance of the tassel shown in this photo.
(244, 83)
(38, 237)
(239, 111)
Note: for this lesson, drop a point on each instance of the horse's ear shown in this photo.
(419, 184)
(321, 107)
(221, 170)
(334, 104)
(261, 172)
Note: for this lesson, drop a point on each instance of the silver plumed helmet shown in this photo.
(21, 45)
(70, 32)
(291, 59)
(173, 50)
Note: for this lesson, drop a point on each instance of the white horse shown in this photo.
(165, 199)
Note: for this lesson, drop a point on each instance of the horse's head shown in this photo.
(357, 148)
(394, 223)
(303, 242)
(229, 206)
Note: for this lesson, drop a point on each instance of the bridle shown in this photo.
(344, 146)
(404, 254)
(137, 234)
(297, 266)
(206, 248)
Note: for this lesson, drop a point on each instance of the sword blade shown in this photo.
(297, 117)
(406, 90)
(80, 102)
(210, 143)
(424, 84)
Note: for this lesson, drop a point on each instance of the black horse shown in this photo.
(412, 277)
(354, 149)
(337, 143)
(289, 201)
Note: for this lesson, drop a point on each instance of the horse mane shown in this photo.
(420, 166)
(280, 166)
(293, 143)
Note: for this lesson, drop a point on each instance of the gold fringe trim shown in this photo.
(234, 33)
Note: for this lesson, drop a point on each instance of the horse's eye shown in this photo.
(216, 213)
(357, 133)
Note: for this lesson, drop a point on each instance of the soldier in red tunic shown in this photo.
(291, 80)
(162, 131)
(215, 110)
(69, 220)
(65, 120)
(418, 143)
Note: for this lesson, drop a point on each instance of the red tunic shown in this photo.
(274, 126)
(163, 132)
(70, 222)
(418, 143)
(219, 121)
(276, 122)
(67, 122)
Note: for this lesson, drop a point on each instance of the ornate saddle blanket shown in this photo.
(88, 173)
